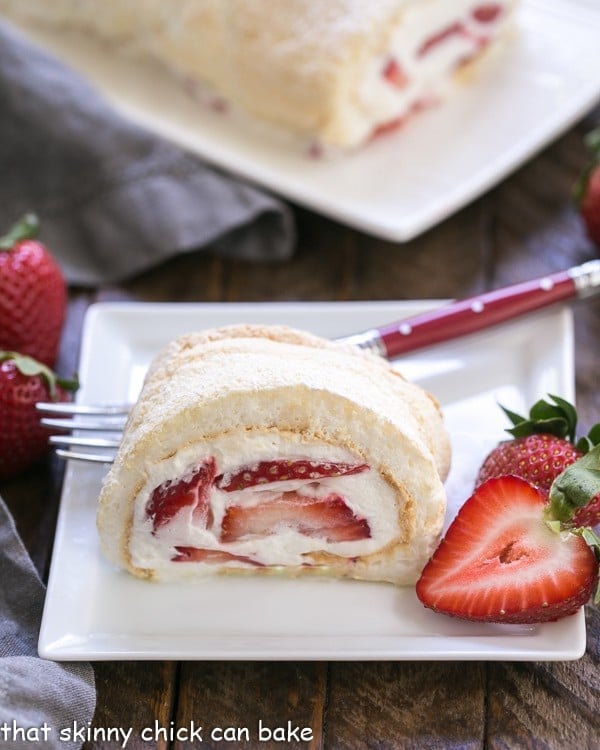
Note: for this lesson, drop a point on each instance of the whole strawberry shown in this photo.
(23, 382)
(543, 446)
(32, 294)
(588, 190)
(590, 205)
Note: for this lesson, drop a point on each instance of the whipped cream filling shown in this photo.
(366, 493)
(433, 40)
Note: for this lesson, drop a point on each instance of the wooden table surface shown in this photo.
(525, 227)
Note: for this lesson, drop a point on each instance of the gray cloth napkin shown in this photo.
(40, 701)
(114, 199)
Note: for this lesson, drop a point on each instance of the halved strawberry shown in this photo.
(213, 556)
(327, 517)
(169, 498)
(501, 562)
(281, 470)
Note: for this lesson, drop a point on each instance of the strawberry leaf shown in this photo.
(555, 417)
(26, 228)
(576, 486)
(586, 443)
(513, 416)
(568, 412)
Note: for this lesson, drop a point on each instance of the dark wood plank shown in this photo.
(137, 697)
(252, 704)
(193, 277)
(547, 705)
(405, 705)
(443, 263)
(321, 268)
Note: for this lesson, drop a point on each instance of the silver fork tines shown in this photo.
(106, 421)
(82, 442)
(92, 458)
(100, 410)
(97, 425)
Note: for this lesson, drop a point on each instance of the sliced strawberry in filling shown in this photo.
(327, 517)
(455, 29)
(212, 556)
(487, 13)
(394, 75)
(281, 470)
(169, 498)
(388, 127)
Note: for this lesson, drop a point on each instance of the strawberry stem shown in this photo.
(27, 228)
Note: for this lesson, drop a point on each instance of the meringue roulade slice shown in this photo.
(331, 75)
(267, 449)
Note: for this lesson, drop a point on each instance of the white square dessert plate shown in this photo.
(524, 94)
(95, 612)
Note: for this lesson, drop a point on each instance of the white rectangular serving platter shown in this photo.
(524, 94)
(96, 612)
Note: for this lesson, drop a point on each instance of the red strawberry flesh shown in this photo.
(487, 13)
(499, 561)
(394, 75)
(266, 472)
(169, 498)
(328, 517)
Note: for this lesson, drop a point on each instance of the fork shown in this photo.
(105, 419)
(389, 341)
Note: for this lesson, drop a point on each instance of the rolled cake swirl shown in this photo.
(261, 449)
(334, 73)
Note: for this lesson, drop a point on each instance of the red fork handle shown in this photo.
(479, 312)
